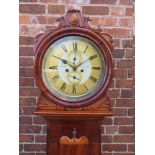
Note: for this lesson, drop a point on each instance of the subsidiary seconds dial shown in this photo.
(73, 68)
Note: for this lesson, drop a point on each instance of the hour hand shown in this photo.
(74, 77)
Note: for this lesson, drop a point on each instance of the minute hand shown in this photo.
(90, 58)
(63, 60)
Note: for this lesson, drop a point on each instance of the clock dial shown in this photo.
(73, 68)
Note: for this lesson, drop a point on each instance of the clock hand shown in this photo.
(74, 77)
(90, 58)
(63, 60)
(74, 59)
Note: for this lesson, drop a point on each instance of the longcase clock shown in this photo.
(73, 70)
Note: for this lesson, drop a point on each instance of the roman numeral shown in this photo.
(96, 68)
(64, 48)
(85, 50)
(93, 57)
(63, 87)
(55, 78)
(53, 67)
(74, 89)
(93, 79)
(75, 46)
(86, 87)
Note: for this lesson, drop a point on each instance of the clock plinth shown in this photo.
(73, 70)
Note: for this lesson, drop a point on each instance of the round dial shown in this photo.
(73, 68)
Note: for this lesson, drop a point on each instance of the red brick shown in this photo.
(38, 120)
(120, 111)
(116, 43)
(24, 19)
(111, 84)
(123, 121)
(102, 129)
(115, 147)
(21, 147)
(26, 82)
(48, 1)
(109, 21)
(126, 130)
(118, 53)
(56, 9)
(103, 21)
(27, 101)
(117, 11)
(26, 51)
(118, 32)
(131, 111)
(29, 110)
(120, 73)
(126, 2)
(114, 93)
(20, 111)
(29, 129)
(123, 138)
(40, 139)
(112, 130)
(44, 129)
(24, 30)
(124, 83)
(26, 72)
(35, 147)
(32, 8)
(35, 30)
(124, 154)
(107, 154)
(38, 19)
(129, 12)
(131, 147)
(25, 61)
(126, 22)
(25, 120)
(26, 138)
(125, 102)
(107, 121)
(128, 43)
(131, 73)
(28, 0)
(127, 93)
(130, 53)
(41, 154)
(52, 20)
(29, 92)
(95, 10)
(23, 40)
(30, 153)
(106, 139)
(102, 1)
(125, 64)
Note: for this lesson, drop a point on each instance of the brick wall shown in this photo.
(117, 18)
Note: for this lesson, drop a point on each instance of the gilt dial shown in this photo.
(73, 68)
